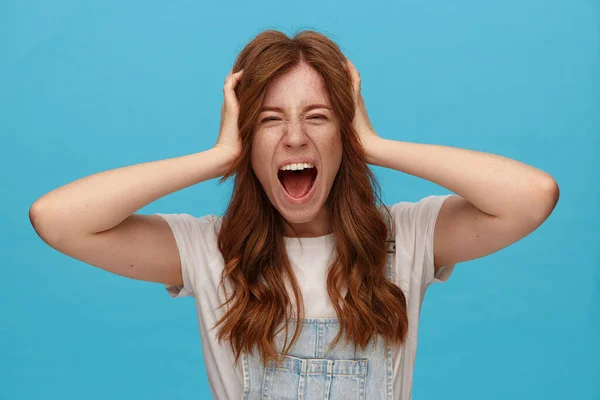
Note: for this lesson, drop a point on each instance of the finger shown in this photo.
(351, 66)
(236, 77)
(226, 80)
(229, 87)
(354, 75)
(355, 80)
(232, 78)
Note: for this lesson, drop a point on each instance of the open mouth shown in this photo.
(297, 183)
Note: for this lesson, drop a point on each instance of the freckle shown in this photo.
(131, 266)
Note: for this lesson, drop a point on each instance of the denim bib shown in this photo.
(310, 371)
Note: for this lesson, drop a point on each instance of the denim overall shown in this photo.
(310, 372)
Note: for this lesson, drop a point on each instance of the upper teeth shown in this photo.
(296, 166)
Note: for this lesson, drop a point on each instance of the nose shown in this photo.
(295, 135)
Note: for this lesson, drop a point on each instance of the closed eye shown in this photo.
(267, 119)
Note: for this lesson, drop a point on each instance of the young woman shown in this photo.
(307, 286)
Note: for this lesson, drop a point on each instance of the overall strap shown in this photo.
(390, 241)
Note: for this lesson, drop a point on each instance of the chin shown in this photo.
(303, 216)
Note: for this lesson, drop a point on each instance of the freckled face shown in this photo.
(297, 123)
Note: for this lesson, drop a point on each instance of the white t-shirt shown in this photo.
(202, 263)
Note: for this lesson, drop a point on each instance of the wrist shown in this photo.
(224, 158)
(371, 143)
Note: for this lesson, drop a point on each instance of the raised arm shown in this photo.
(93, 219)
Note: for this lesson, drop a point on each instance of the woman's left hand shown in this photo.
(362, 124)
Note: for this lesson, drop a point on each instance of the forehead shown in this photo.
(298, 86)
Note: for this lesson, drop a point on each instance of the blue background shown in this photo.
(90, 86)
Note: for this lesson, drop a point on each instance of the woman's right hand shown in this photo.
(229, 137)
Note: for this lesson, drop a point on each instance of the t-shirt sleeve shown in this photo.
(415, 227)
(196, 239)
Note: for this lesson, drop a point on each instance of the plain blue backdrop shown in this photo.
(91, 86)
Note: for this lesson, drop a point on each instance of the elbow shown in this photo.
(549, 193)
(39, 218)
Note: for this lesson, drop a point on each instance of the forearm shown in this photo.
(494, 184)
(101, 201)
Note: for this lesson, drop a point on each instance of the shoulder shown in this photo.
(194, 233)
(416, 214)
(205, 224)
(196, 239)
(414, 228)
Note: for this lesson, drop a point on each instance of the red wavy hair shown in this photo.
(251, 237)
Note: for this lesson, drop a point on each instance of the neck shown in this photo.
(319, 226)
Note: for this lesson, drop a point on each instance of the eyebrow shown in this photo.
(307, 108)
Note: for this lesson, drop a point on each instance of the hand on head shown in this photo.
(229, 139)
(362, 124)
